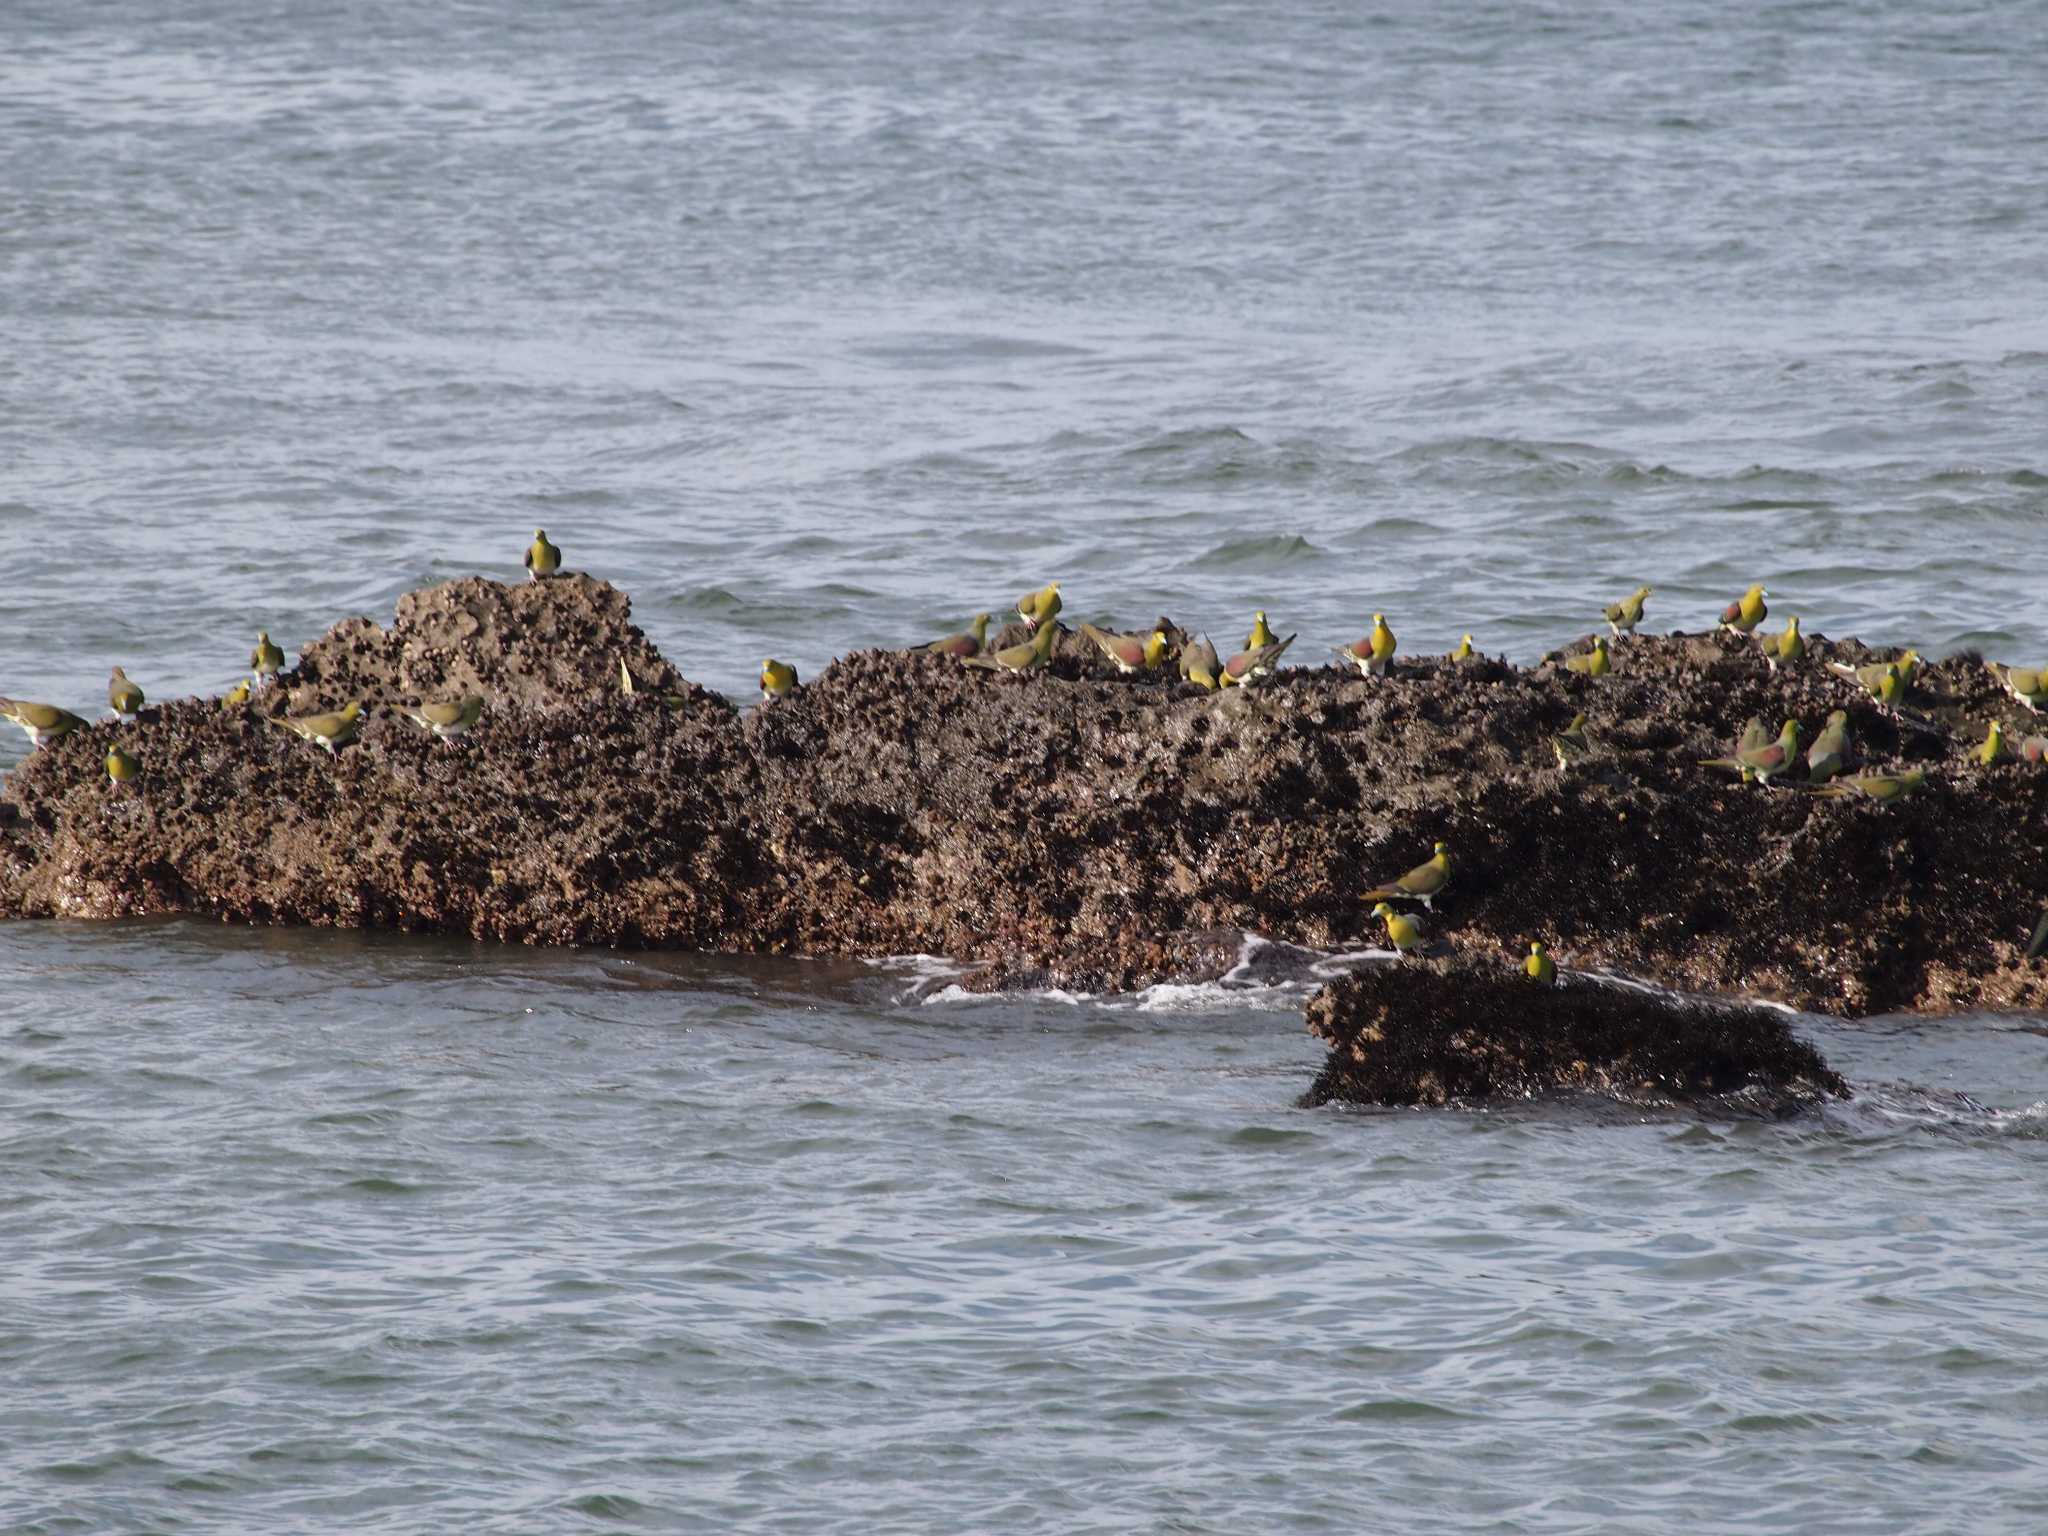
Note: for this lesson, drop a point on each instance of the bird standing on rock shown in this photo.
(1829, 753)
(123, 696)
(1261, 632)
(1742, 616)
(452, 717)
(1762, 763)
(267, 660)
(1131, 653)
(1594, 663)
(972, 641)
(1464, 652)
(1571, 743)
(2027, 685)
(1423, 883)
(1028, 657)
(1034, 608)
(1539, 967)
(39, 720)
(542, 558)
(329, 731)
(123, 767)
(1198, 663)
(1374, 655)
(1403, 932)
(1789, 646)
(236, 696)
(1878, 675)
(1247, 666)
(1624, 616)
(1882, 787)
(1994, 749)
(777, 679)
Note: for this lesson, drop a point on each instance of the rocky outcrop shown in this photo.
(1419, 1032)
(1076, 827)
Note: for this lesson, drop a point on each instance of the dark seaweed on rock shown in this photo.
(1464, 1031)
(1075, 828)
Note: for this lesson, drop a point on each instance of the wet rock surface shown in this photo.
(1437, 1033)
(1076, 827)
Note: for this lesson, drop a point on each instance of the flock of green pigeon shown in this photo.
(1758, 756)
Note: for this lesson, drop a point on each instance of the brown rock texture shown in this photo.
(1437, 1033)
(1075, 827)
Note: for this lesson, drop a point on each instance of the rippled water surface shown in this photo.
(826, 325)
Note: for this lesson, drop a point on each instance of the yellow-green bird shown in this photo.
(1829, 753)
(971, 641)
(1028, 657)
(1766, 762)
(123, 696)
(1261, 632)
(1994, 749)
(1594, 663)
(451, 717)
(39, 720)
(1131, 653)
(329, 731)
(1872, 678)
(2038, 945)
(1247, 667)
(2026, 684)
(1423, 883)
(1464, 652)
(1882, 787)
(1624, 616)
(1539, 967)
(236, 696)
(1571, 744)
(267, 660)
(1198, 663)
(1747, 611)
(777, 679)
(542, 558)
(1374, 655)
(1403, 932)
(1789, 646)
(123, 767)
(1034, 608)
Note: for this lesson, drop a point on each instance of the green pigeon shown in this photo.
(1246, 666)
(124, 697)
(1403, 932)
(1742, 616)
(1594, 663)
(266, 661)
(1028, 657)
(542, 558)
(1131, 653)
(1261, 632)
(1539, 967)
(972, 641)
(1624, 616)
(1464, 652)
(39, 720)
(238, 695)
(1874, 678)
(2038, 945)
(329, 731)
(1829, 753)
(2026, 684)
(1198, 663)
(452, 717)
(1374, 655)
(1571, 744)
(1423, 883)
(123, 767)
(1789, 646)
(1994, 749)
(1766, 762)
(777, 679)
(1034, 608)
(1882, 787)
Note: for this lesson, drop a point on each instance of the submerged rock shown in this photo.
(1461, 1032)
(1074, 828)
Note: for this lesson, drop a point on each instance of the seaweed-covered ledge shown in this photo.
(1076, 827)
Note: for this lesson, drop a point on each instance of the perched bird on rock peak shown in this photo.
(542, 558)
(123, 767)
(1571, 743)
(1248, 666)
(1027, 657)
(777, 678)
(2026, 684)
(1464, 652)
(1539, 967)
(1131, 653)
(972, 641)
(1261, 632)
(1034, 608)
(1829, 753)
(123, 696)
(1198, 663)
(1423, 883)
(1374, 655)
(1789, 646)
(1882, 787)
(237, 696)
(1624, 616)
(1594, 663)
(1766, 762)
(451, 717)
(39, 720)
(1403, 932)
(329, 731)
(1994, 749)
(267, 660)
(1747, 611)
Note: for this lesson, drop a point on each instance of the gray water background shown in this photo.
(825, 325)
